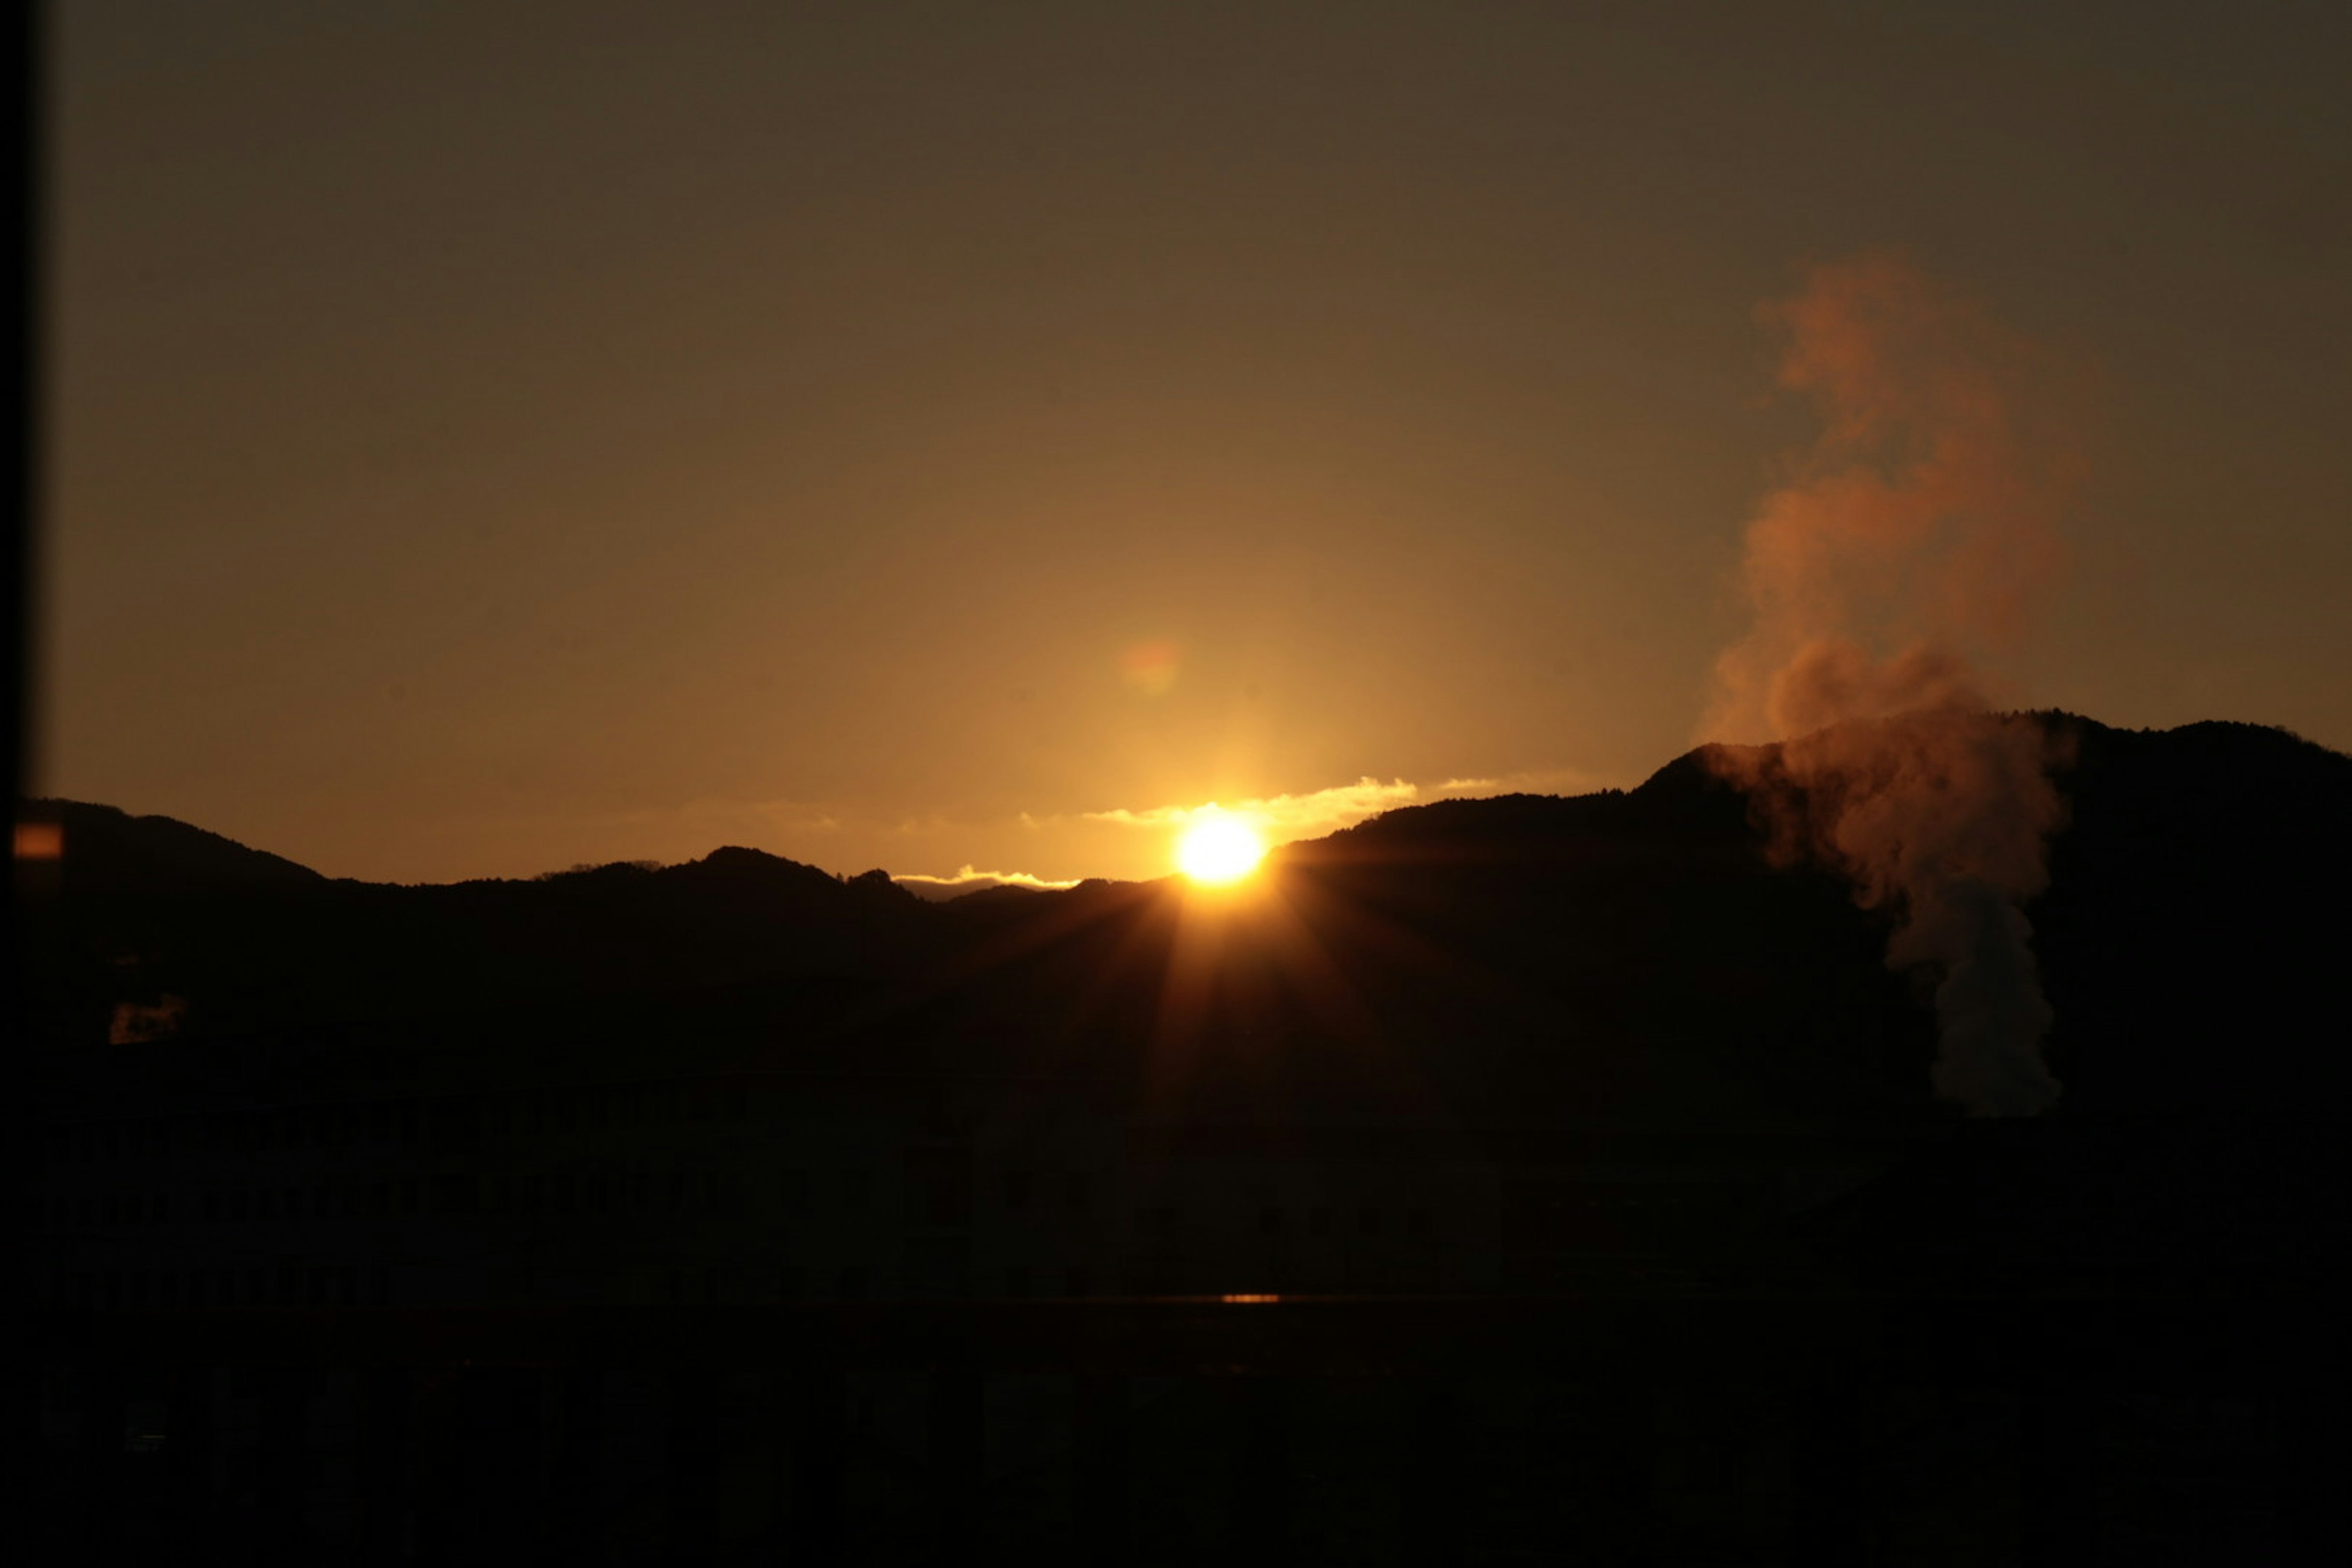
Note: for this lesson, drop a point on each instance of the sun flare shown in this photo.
(1219, 850)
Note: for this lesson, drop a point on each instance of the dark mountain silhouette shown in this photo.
(1630, 954)
(942, 894)
(1489, 1066)
(115, 853)
(2196, 923)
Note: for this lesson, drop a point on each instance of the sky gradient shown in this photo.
(483, 440)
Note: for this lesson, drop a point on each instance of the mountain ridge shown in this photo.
(1503, 945)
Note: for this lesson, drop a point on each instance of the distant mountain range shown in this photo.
(1627, 952)
(1629, 962)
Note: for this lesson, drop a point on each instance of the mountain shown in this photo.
(114, 853)
(1622, 965)
(1631, 953)
(2195, 921)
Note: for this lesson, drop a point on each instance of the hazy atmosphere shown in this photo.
(1150, 784)
(931, 437)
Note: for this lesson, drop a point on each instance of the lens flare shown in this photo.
(1150, 669)
(1219, 850)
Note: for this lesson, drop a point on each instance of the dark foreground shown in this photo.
(1522, 1180)
(1839, 1427)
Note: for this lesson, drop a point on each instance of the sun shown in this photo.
(1218, 849)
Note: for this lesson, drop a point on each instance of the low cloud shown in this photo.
(1281, 816)
(1284, 817)
(970, 879)
(1551, 781)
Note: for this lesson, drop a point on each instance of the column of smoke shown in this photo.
(1914, 538)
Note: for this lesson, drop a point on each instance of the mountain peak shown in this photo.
(107, 850)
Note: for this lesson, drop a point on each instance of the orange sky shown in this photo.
(927, 437)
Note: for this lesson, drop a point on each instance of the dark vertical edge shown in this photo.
(26, 158)
(28, 172)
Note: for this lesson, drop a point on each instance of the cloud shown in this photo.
(1150, 667)
(969, 880)
(1284, 817)
(1542, 781)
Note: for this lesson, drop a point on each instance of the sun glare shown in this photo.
(1219, 850)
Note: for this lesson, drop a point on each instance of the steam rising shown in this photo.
(1915, 538)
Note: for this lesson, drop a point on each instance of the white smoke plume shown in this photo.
(1914, 538)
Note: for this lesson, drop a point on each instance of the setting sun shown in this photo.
(1219, 850)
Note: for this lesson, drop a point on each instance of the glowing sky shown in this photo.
(485, 441)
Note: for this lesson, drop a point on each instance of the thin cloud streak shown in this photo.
(1293, 815)
(1285, 817)
(970, 879)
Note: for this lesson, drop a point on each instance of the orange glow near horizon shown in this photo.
(40, 841)
(1218, 850)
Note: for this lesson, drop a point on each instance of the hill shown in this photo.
(115, 853)
(1626, 964)
(1633, 953)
